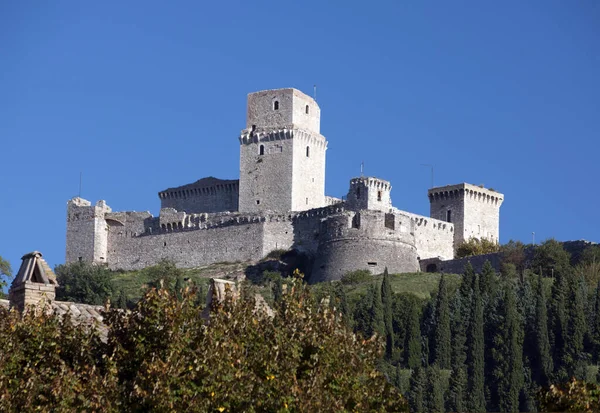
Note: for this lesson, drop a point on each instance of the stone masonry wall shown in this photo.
(207, 195)
(308, 171)
(369, 240)
(266, 180)
(433, 238)
(86, 231)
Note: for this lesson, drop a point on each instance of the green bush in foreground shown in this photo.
(163, 356)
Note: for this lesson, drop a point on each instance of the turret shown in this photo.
(369, 193)
(282, 153)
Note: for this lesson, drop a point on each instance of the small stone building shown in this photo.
(35, 287)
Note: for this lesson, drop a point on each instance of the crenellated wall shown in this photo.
(205, 195)
(433, 238)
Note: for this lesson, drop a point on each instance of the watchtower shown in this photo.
(87, 231)
(474, 210)
(369, 193)
(282, 153)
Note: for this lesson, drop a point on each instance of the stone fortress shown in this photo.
(279, 203)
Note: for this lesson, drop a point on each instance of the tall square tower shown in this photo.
(282, 153)
(474, 210)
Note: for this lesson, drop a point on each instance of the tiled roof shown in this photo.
(85, 314)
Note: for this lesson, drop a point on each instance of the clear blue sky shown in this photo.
(142, 96)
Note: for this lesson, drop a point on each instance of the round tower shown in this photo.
(364, 240)
(282, 153)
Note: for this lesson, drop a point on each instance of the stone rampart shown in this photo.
(433, 238)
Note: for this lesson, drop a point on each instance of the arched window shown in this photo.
(307, 109)
(276, 105)
(261, 150)
(307, 151)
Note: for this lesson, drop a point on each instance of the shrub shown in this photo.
(476, 246)
(162, 356)
(356, 277)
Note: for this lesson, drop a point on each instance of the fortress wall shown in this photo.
(187, 248)
(278, 235)
(433, 238)
(457, 266)
(214, 198)
(369, 240)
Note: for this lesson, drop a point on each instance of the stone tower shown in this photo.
(282, 153)
(87, 231)
(369, 193)
(474, 211)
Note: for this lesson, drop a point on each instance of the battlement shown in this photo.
(474, 192)
(249, 137)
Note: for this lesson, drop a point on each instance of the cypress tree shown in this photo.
(121, 300)
(457, 392)
(413, 338)
(541, 359)
(557, 324)
(573, 361)
(596, 325)
(510, 350)
(487, 280)
(344, 309)
(475, 356)
(386, 300)
(442, 351)
(376, 313)
(418, 385)
(435, 392)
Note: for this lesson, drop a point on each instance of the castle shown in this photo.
(279, 203)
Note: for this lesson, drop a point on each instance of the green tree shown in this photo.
(573, 358)
(541, 359)
(596, 325)
(387, 302)
(476, 246)
(457, 392)
(121, 301)
(83, 283)
(551, 258)
(442, 350)
(487, 281)
(513, 252)
(162, 275)
(377, 325)
(413, 352)
(418, 386)
(435, 391)
(509, 350)
(557, 319)
(475, 356)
